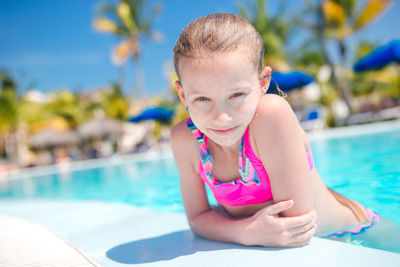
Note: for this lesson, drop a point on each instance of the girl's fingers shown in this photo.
(299, 231)
(277, 208)
(303, 228)
(303, 238)
(300, 221)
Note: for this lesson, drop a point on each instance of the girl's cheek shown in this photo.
(198, 112)
(249, 107)
(202, 106)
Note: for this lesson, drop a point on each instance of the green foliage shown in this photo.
(274, 30)
(8, 103)
(31, 112)
(129, 20)
(382, 82)
(347, 5)
(67, 106)
(8, 109)
(115, 103)
(7, 82)
(308, 58)
(132, 20)
(363, 48)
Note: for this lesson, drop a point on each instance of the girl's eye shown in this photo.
(237, 94)
(201, 99)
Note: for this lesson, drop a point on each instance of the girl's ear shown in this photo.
(265, 79)
(181, 94)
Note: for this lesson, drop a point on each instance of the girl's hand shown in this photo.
(267, 228)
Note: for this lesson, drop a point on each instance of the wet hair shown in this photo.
(220, 32)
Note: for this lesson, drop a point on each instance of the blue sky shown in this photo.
(51, 45)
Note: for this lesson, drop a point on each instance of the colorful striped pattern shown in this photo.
(249, 176)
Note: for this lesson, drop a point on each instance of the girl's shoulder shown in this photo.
(183, 141)
(274, 118)
(273, 109)
(181, 134)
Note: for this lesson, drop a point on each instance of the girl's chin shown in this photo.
(225, 140)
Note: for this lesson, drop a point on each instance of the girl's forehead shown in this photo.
(230, 65)
(217, 58)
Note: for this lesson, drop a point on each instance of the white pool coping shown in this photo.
(123, 235)
(354, 130)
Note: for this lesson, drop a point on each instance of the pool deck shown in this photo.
(116, 234)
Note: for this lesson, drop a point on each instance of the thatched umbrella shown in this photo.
(50, 138)
(100, 128)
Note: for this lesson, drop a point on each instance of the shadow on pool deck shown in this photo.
(168, 247)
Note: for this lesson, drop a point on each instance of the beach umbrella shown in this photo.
(290, 80)
(98, 128)
(153, 113)
(51, 138)
(379, 57)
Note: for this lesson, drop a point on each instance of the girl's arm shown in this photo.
(265, 228)
(279, 142)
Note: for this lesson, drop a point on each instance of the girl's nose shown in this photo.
(221, 114)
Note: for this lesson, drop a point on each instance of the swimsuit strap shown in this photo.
(205, 155)
(247, 172)
(248, 175)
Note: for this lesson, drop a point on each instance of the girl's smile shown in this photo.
(225, 131)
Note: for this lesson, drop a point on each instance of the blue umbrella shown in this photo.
(379, 57)
(153, 113)
(289, 81)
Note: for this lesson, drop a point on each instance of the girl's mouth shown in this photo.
(224, 131)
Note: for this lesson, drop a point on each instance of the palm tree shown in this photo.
(128, 21)
(337, 20)
(115, 103)
(380, 81)
(67, 106)
(274, 31)
(8, 114)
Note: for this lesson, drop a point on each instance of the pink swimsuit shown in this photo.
(252, 187)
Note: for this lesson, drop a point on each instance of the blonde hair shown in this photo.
(221, 32)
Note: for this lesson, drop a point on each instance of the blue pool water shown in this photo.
(363, 167)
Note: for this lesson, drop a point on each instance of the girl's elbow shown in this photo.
(194, 227)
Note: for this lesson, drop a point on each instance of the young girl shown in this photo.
(247, 147)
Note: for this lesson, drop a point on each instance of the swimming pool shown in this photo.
(362, 163)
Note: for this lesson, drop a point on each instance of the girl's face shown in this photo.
(221, 91)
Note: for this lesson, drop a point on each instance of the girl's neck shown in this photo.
(225, 150)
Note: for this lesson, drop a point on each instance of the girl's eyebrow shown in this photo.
(194, 94)
(235, 90)
(244, 88)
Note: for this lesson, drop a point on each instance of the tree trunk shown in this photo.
(3, 142)
(339, 82)
(122, 75)
(11, 146)
(140, 82)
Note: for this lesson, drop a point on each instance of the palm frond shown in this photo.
(370, 12)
